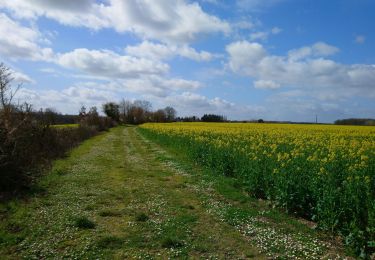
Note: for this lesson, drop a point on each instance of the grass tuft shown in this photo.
(84, 223)
(171, 242)
(110, 213)
(141, 217)
(110, 242)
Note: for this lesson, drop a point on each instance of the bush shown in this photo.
(30, 147)
(28, 142)
(142, 217)
(84, 223)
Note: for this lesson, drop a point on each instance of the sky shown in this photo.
(245, 59)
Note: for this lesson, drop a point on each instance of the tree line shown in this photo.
(356, 121)
(138, 112)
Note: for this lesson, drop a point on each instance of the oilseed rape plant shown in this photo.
(324, 173)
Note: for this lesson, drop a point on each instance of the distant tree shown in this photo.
(260, 121)
(144, 104)
(82, 112)
(50, 116)
(212, 118)
(188, 119)
(140, 112)
(124, 110)
(7, 93)
(93, 111)
(170, 114)
(159, 116)
(111, 109)
(356, 121)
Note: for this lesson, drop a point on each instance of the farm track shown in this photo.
(145, 205)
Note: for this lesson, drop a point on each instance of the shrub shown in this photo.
(142, 217)
(84, 223)
(171, 242)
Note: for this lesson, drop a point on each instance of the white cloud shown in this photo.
(84, 13)
(303, 68)
(245, 55)
(75, 96)
(319, 49)
(21, 78)
(107, 64)
(157, 51)
(21, 42)
(259, 36)
(243, 24)
(360, 39)
(157, 86)
(266, 84)
(262, 36)
(189, 103)
(170, 21)
(276, 30)
(167, 21)
(323, 49)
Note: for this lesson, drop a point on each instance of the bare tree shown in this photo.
(125, 107)
(7, 94)
(159, 116)
(170, 114)
(144, 104)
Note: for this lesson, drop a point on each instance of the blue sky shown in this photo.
(246, 59)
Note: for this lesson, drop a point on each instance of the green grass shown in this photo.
(110, 242)
(121, 196)
(66, 126)
(142, 217)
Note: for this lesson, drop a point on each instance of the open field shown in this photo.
(322, 173)
(119, 195)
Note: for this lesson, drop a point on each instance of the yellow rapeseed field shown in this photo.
(322, 172)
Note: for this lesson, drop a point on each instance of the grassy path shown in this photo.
(120, 196)
(112, 198)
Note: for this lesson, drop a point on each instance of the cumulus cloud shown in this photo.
(157, 86)
(85, 13)
(158, 51)
(168, 21)
(171, 21)
(319, 49)
(108, 64)
(189, 103)
(21, 42)
(266, 84)
(76, 96)
(20, 78)
(262, 36)
(306, 68)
